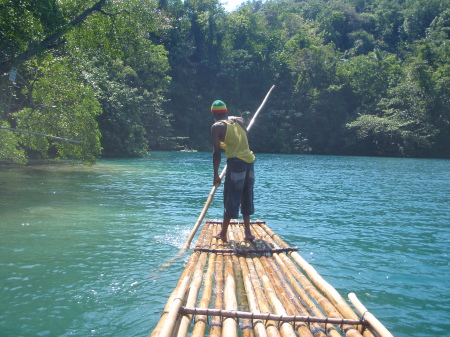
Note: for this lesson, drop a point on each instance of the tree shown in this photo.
(58, 104)
(195, 46)
(129, 73)
(406, 125)
(29, 30)
(110, 56)
(48, 27)
(348, 73)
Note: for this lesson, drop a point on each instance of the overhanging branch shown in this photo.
(51, 40)
(41, 134)
(112, 14)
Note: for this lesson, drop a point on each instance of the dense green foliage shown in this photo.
(353, 77)
(100, 82)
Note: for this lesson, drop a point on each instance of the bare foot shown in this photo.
(220, 237)
(249, 237)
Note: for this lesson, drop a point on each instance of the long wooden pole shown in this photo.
(202, 214)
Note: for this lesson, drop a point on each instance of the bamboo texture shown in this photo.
(176, 300)
(230, 302)
(257, 288)
(246, 324)
(216, 323)
(314, 292)
(331, 294)
(256, 292)
(374, 322)
(201, 321)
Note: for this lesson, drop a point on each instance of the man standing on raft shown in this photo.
(230, 134)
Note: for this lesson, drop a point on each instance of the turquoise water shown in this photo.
(79, 245)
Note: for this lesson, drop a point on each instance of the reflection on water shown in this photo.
(78, 245)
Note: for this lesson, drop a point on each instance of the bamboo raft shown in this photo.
(262, 288)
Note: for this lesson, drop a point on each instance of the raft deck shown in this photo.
(259, 288)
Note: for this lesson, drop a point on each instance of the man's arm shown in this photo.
(217, 155)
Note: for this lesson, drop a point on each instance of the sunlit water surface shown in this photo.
(80, 247)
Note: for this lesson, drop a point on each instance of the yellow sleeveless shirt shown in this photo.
(235, 143)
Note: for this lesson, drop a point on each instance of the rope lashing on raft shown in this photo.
(273, 317)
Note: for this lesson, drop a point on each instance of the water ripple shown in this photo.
(79, 246)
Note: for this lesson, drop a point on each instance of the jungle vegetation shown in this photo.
(122, 77)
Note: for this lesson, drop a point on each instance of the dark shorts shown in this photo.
(238, 188)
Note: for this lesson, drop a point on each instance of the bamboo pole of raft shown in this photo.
(200, 321)
(230, 324)
(302, 293)
(315, 277)
(285, 328)
(257, 299)
(214, 188)
(307, 300)
(168, 319)
(331, 308)
(283, 298)
(279, 277)
(216, 323)
(326, 306)
(291, 302)
(194, 289)
(246, 324)
(177, 325)
(374, 323)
